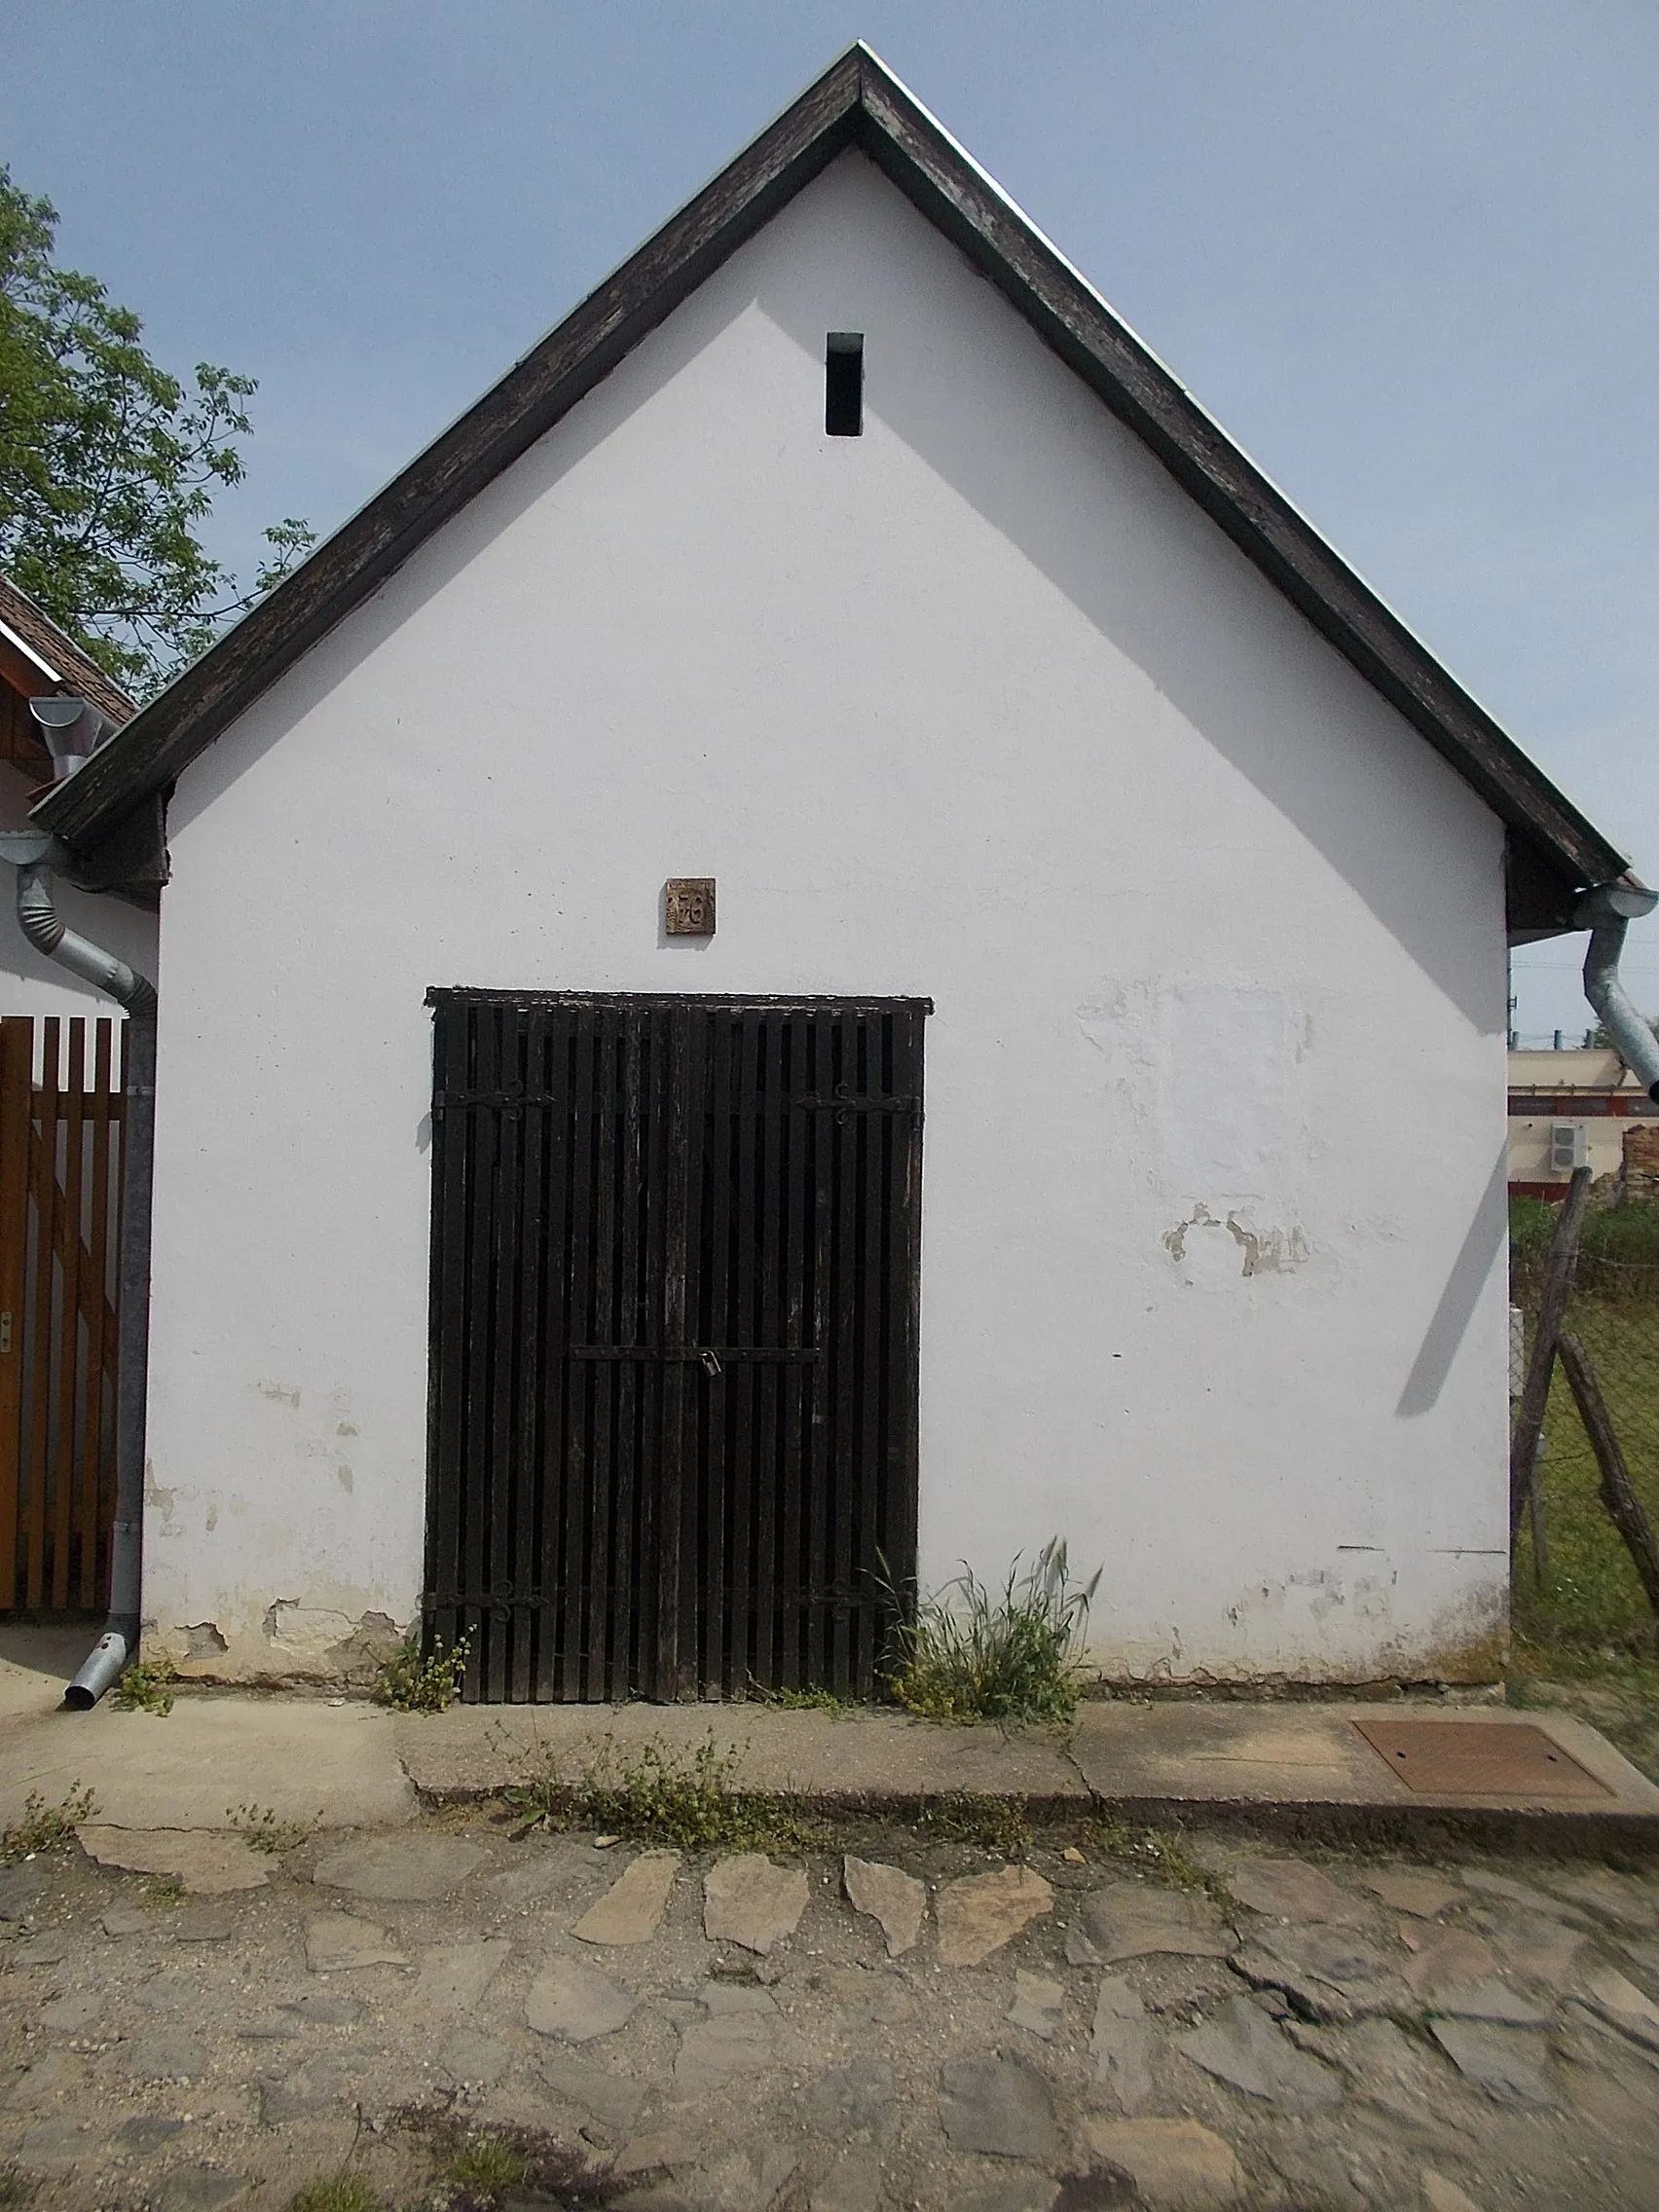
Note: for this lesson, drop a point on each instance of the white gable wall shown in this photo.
(979, 706)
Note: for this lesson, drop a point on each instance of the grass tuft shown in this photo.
(1153, 1851)
(147, 1686)
(995, 1823)
(485, 2166)
(970, 1654)
(657, 1793)
(47, 1827)
(414, 1681)
(340, 2192)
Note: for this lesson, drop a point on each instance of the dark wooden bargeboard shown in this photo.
(676, 1249)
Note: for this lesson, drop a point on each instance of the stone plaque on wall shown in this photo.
(690, 905)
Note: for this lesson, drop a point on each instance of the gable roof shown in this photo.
(42, 660)
(1554, 850)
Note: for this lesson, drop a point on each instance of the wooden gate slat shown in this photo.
(755, 1498)
(604, 1327)
(506, 1264)
(611, 1643)
(664, 1681)
(529, 1452)
(43, 1181)
(481, 1131)
(797, 1259)
(446, 1395)
(903, 1444)
(855, 1570)
(721, 1641)
(95, 1270)
(17, 1080)
(551, 1378)
(67, 1225)
(584, 1378)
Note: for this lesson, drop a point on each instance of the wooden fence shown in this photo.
(60, 1123)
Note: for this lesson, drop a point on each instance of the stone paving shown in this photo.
(905, 2024)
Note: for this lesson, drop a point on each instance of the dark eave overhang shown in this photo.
(857, 102)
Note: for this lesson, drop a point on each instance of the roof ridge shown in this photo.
(857, 101)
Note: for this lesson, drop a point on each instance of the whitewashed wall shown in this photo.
(977, 706)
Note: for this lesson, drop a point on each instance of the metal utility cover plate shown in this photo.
(1479, 1758)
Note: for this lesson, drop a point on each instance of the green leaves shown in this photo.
(109, 464)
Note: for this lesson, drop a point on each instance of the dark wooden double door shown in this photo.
(676, 1248)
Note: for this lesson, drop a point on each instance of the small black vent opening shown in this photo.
(843, 384)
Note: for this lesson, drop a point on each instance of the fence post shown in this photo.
(1624, 1508)
(1552, 1312)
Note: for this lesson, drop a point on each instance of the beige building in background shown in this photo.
(1592, 1094)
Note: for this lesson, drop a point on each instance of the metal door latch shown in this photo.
(5, 1332)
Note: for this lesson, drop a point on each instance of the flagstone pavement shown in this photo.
(191, 2025)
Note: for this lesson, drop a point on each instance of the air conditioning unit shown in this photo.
(1569, 1147)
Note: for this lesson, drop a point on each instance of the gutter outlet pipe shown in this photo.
(1607, 912)
(35, 856)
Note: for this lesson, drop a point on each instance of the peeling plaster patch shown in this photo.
(161, 1501)
(1267, 1251)
(346, 1429)
(274, 1616)
(360, 1655)
(212, 1521)
(201, 1643)
(343, 1476)
(280, 1394)
(1175, 1238)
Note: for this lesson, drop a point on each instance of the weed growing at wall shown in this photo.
(802, 1700)
(972, 1654)
(264, 1832)
(47, 1827)
(147, 1686)
(657, 1793)
(413, 1682)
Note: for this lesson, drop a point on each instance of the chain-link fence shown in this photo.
(1580, 1585)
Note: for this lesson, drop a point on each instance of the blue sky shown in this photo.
(1407, 251)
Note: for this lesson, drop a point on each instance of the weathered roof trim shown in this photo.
(855, 103)
(61, 661)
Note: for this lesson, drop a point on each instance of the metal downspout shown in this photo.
(35, 856)
(1607, 912)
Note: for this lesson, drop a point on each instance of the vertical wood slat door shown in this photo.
(61, 1115)
(675, 1255)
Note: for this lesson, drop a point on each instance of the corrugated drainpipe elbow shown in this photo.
(41, 923)
(1607, 911)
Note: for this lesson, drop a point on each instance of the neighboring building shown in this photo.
(838, 648)
(37, 661)
(1566, 1108)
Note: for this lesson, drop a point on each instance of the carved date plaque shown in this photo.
(690, 905)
